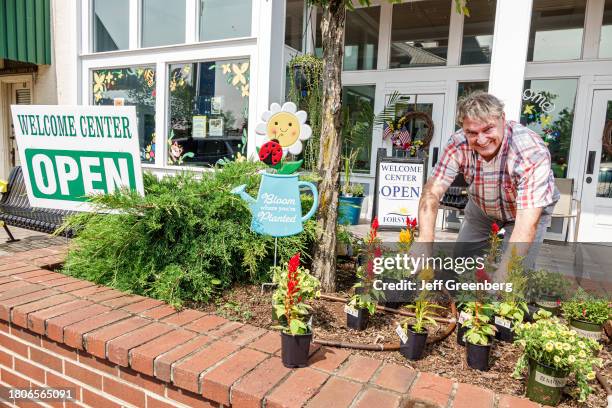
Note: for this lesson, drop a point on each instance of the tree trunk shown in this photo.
(332, 30)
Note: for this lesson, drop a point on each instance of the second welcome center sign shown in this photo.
(398, 188)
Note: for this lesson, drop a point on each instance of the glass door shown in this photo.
(596, 215)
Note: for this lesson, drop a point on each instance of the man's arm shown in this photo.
(428, 209)
(523, 234)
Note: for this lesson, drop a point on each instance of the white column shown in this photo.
(455, 37)
(510, 41)
(66, 43)
(134, 38)
(269, 68)
(592, 28)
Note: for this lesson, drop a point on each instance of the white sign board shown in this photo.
(70, 152)
(399, 184)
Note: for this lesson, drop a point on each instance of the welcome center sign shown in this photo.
(70, 152)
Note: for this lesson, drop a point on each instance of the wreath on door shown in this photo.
(606, 141)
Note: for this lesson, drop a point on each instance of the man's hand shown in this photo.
(428, 209)
(523, 234)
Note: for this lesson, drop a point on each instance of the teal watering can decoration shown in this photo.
(278, 210)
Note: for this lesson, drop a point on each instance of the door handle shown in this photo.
(591, 162)
(434, 157)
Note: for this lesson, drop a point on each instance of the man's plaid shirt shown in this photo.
(519, 177)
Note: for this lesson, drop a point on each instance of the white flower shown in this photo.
(285, 124)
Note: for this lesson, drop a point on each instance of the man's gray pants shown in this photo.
(473, 239)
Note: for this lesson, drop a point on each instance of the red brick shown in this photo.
(59, 348)
(57, 381)
(11, 265)
(217, 383)
(71, 287)
(432, 389)
(14, 380)
(269, 343)
(143, 381)
(6, 359)
(36, 320)
(336, 392)
(328, 359)
(97, 400)
(206, 323)
(95, 342)
(4, 326)
(184, 317)
(244, 335)
(18, 270)
(6, 279)
(8, 304)
(98, 363)
(73, 334)
(159, 312)
(89, 290)
(186, 373)
(55, 326)
(298, 388)
(163, 363)
(19, 288)
(51, 283)
(144, 304)
(360, 368)
(225, 330)
(471, 396)
(396, 378)
(190, 399)
(13, 345)
(84, 375)
(46, 359)
(26, 335)
(156, 403)
(35, 273)
(142, 357)
(121, 301)
(508, 401)
(41, 279)
(123, 391)
(251, 389)
(106, 295)
(19, 314)
(119, 348)
(378, 398)
(30, 370)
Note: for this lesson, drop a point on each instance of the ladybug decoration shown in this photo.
(271, 153)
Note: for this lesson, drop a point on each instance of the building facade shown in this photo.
(201, 73)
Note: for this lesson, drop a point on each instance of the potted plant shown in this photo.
(295, 287)
(551, 353)
(465, 311)
(344, 241)
(478, 337)
(507, 315)
(414, 336)
(547, 289)
(587, 314)
(351, 196)
(361, 305)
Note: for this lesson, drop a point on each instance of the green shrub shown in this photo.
(186, 239)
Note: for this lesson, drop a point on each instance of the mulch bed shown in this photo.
(446, 358)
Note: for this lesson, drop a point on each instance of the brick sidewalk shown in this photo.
(134, 351)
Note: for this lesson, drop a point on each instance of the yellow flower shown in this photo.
(405, 237)
(559, 345)
(226, 68)
(572, 333)
(245, 90)
(426, 274)
(582, 354)
(591, 375)
(240, 158)
(557, 359)
(566, 347)
(549, 346)
(581, 344)
(571, 359)
(239, 72)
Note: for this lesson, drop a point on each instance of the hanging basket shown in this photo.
(423, 116)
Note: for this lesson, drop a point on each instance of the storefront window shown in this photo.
(360, 38)
(208, 111)
(134, 86)
(478, 32)
(111, 25)
(419, 33)
(294, 24)
(358, 108)
(163, 23)
(548, 109)
(222, 19)
(605, 42)
(556, 30)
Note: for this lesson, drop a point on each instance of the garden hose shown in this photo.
(452, 324)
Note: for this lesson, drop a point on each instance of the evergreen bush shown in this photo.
(185, 240)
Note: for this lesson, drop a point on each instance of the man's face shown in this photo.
(484, 136)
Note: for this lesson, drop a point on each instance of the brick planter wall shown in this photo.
(115, 349)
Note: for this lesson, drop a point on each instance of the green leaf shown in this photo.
(290, 167)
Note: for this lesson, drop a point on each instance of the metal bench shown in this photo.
(16, 211)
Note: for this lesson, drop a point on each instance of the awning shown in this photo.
(25, 31)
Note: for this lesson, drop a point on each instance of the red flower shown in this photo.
(482, 275)
(294, 263)
(375, 224)
(494, 228)
(411, 222)
(558, 302)
(377, 252)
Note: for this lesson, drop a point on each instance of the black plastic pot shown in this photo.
(503, 333)
(460, 333)
(359, 322)
(413, 348)
(531, 311)
(545, 384)
(478, 356)
(295, 349)
(393, 298)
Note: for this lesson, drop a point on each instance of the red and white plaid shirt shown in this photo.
(520, 176)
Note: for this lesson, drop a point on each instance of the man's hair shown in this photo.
(479, 105)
